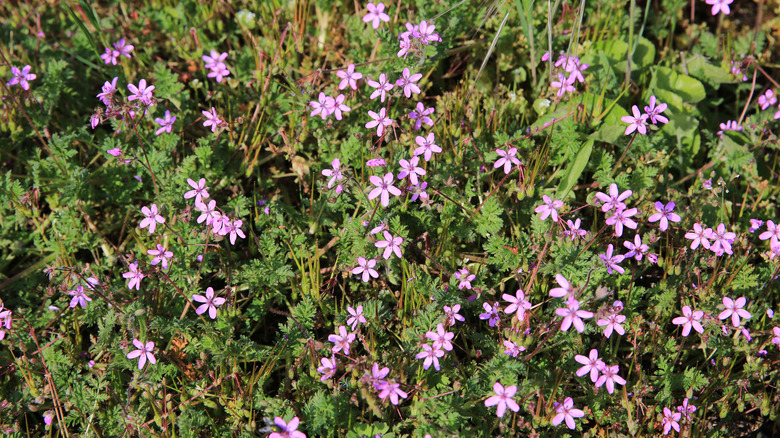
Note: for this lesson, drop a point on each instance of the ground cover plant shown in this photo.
(417, 218)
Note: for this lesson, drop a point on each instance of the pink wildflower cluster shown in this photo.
(121, 48)
(566, 64)
(441, 343)
(220, 223)
(600, 373)
(215, 62)
(326, 105)
(638, 122)
(721, 239)
(387, 389)
(416, 37)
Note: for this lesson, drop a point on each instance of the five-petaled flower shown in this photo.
(549, 208)
(636, 123)
(572, 315)
(664, 215)
(452, 315)
(334, 174)
(654, 112)
(287, 430)
(566, 411)
(734, 309)
(134, 275)
(382, 87)
(610, 377)
(699, 235)
(519, 304)
(349, 77)
(328, 368)
(143, 352)
(384, 188)
(441, 338)
(341, 340)
(210, 303)
(376, 13)
(507, 159)
(212, 119)
(356, 318)
(142, 92)
(380, 121)
(420, 116)
(20, 77)
(637, 249)
(391, 245)
(614, 199)
(165, 124)
(591, 365)
(720, 6)
(612, 322)
(564, 291)
(79, 297)
(671, 421)
(431, 354)
(690, 319)
(409, 168)
(365, 267)
(503, 399)
(464, 278)
(161, 255)
(491, 313)
(611, 261)
(427, 146)
(407, 81)
(151, 219)
(198, 190)
(622, 218)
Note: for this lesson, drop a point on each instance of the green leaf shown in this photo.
(644, 55)
(690, 89)
(575, 169)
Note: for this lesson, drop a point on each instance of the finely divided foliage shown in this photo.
(399, 219)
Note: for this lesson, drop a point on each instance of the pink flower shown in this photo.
(654, 112)
(427, 147)
(441, 338)
(452, 315)
(735, 310)
(407, 81)
(365, 267)
(151, 219)
(723, 239)
(421, 115)
(380, 121)
(342, 340)
(776, 339)
(391, 245)
(219, 72)
(464, 278)
(426, 33)
(376, 162)
(635, 123)
(592, 364)
(79, 297)
(134, 275)
(636, 249)
(699, 235)
(686, 409)
(491, 313)
(549, 208)
(567, 412)
(507, 159)
(384, 188)
(198, 190)
(110, 56)
(161, 255)
(328, 368)
(690, 319)
(322, 106)
(215, 60)
(503, 399)
(612, 323)
(730, 125)
(122, 48)
(622, 218)
(773, 232)
(574, 230)
(288, 430)
(755, 224)
(144, 352)
(767, 99)
(108, 90)
(392, 391)
(519, 304)
(375, 15)
(614, 199)
(212, 119)
(339, 107)
(356, 318)
(664, 215)
(141, 92)
(410, 169)
(431, 356)
(166, 123)
(382, 87)
(563, 84)
(610, 377)
(210, 303)
(611, 261)
(572, 315)
(334, 174)
(349, 77)
(564, 291)
(720, 6)
(671, 420)
(512, 349)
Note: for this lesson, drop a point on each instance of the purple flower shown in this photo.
(431, 356)
(376, 162)
(720, 6)
(612, 322)
(151, 219)
(322, 106)
(365, 267)
(426, 33)
(512, 349)
(79, 297)
(391, 245)
(110, 56)
(342, 340)
(134, 275)
(614, 199)
(722, 240)
(755, 224)
(699, 235)
(212, 119)
(503, 399)
(654, 112)
(671, 420)
(773, 232)
(141, 92)
(734, 309)
(519, 304)
(686, 409)
(592, 364)
(382, 87)
(464, 278)
(491, 313)
(622, 218)
(375, 15)
(161, 255)
(507, 159)
(328, 368)
(563, 84)
(215, 60)
(418, 191)
(690, 319)
(549, 208)
(339, 107)
(574, 230)
(664, 215)
(407, 81)
(730, 125)
(611, 261)
(564, 291)
(410, 169)
(421, 115)
(349, 77)
(144, 352)
(610, 377)
(166, 123)
(288, 430)
(441, 338)
(384, 188)
(380, 121)
(356, 318)
(108, 91)
(210, 303)
(334, 174)
(572, 315)
(427, 146)
(123, 48)
(566, 411)
(635, 123)
(636, 249)
(776, 339)
(219, 72)
(198, 190)
(392, 391)
(452, 315)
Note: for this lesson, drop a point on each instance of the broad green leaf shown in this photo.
(574, 170)
(690, 89)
